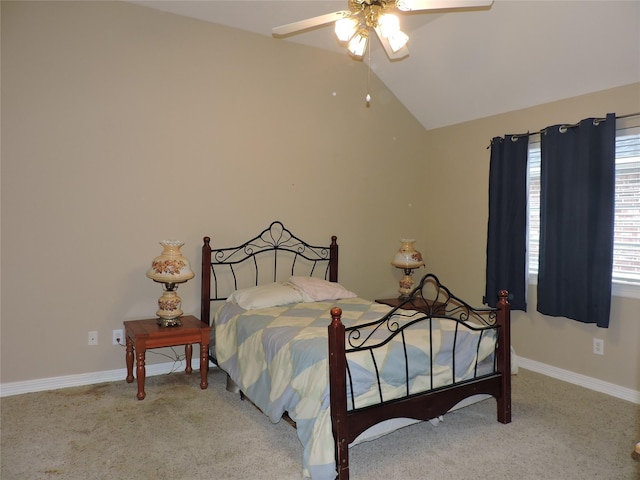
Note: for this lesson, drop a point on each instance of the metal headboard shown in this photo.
(276, 250)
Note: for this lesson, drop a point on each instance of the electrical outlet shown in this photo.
(598, 346)
(117, 337)
(93, 338)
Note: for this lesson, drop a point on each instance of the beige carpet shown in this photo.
(559, 432)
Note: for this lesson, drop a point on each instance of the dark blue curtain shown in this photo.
(577, 192)
(507, 228)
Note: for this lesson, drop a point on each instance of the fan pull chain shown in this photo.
(368, 97)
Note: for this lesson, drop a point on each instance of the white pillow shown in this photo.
(319, 289)
(269, 295)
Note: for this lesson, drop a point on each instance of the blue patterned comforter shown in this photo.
(278, 357)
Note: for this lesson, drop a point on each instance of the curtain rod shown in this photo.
(516, 136)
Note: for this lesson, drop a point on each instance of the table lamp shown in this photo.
(407, 258)
(170, 268)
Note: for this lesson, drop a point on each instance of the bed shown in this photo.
(298, 344)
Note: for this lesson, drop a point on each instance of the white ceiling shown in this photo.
(465, 65)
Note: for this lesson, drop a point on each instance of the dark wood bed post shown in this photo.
(333, 262)
(504, 357)
(338, 392)
(205, 294)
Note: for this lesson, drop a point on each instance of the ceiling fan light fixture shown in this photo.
(358, 44)
(354, 25)
(398, 40)
(345, 29)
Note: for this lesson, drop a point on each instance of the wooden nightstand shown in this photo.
(143, 334)
(417, 304)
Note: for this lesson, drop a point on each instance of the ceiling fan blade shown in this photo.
(401, 53)
(415, 5)
(309, 23)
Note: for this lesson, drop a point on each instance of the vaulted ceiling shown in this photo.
(465, 65)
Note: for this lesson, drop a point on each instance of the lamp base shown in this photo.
(169, 312)
(169, 322)
(406, 284)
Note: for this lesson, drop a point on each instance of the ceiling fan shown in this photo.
(352, 26)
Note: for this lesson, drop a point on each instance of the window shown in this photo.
(626, 242)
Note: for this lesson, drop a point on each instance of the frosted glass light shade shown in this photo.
(389, 24)
(170, 266)
(398, 40)
(407, 256)
(345, 29)
(358, 43)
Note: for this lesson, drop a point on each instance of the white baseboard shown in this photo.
(54, 383)
(581, 380)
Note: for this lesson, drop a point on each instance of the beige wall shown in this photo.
(459, 160)
(123, 126)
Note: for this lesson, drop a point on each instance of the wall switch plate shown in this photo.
(598, 346)
(117, 337)
(93, 338)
